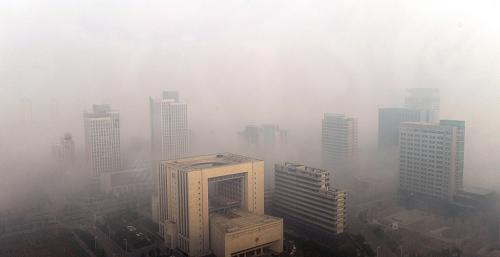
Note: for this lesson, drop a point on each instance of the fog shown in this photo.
(243, 62)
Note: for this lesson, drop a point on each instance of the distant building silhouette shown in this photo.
(420, 105)
(425, 100)
(388, 125)
(64, 152)
(263, 140)
(268, 142)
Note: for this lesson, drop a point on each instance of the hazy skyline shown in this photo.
(240, 62)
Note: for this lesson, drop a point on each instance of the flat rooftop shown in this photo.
(305, 169)
(209, 161)
(237, 220)
(479, 191)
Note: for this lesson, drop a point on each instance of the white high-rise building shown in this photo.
(169, 127)
(339, 141)
(425, 100)
(102, 139)
(431, 158)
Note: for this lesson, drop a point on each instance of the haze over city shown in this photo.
(239, 63)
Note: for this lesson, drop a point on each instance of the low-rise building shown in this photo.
(303, 196)
(136, 181)
(239, 233)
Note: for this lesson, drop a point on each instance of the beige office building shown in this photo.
(214, 204)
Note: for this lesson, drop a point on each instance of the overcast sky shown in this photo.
(238, 62)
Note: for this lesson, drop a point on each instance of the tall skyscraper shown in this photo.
(339, 141)
(388, 125)
(215, 204)
(303, 195)
(169, 127)
(102, 139)
(431, 158)
(426, 100)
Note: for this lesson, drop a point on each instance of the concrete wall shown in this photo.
(246, 239)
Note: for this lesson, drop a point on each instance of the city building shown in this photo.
(102, 139)
(429, 156)
(169, 133)
(339, 141)
(245, 234)
(303, 196)
(475, 197)
(460, 148)
(169, 127)
(214, 204)
(268, 138)
(268, 142)
(64, 151)
(388, 125)
(268, 200)
(426, 101)
(127, 182)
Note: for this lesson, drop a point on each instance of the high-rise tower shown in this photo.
(339, 141)
(389, 120)
(431, 158)
(102, 139)
(169, 127)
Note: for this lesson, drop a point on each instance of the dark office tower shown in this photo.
(169, 127)
(425, 100)
(265, 139)
(388, 125)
